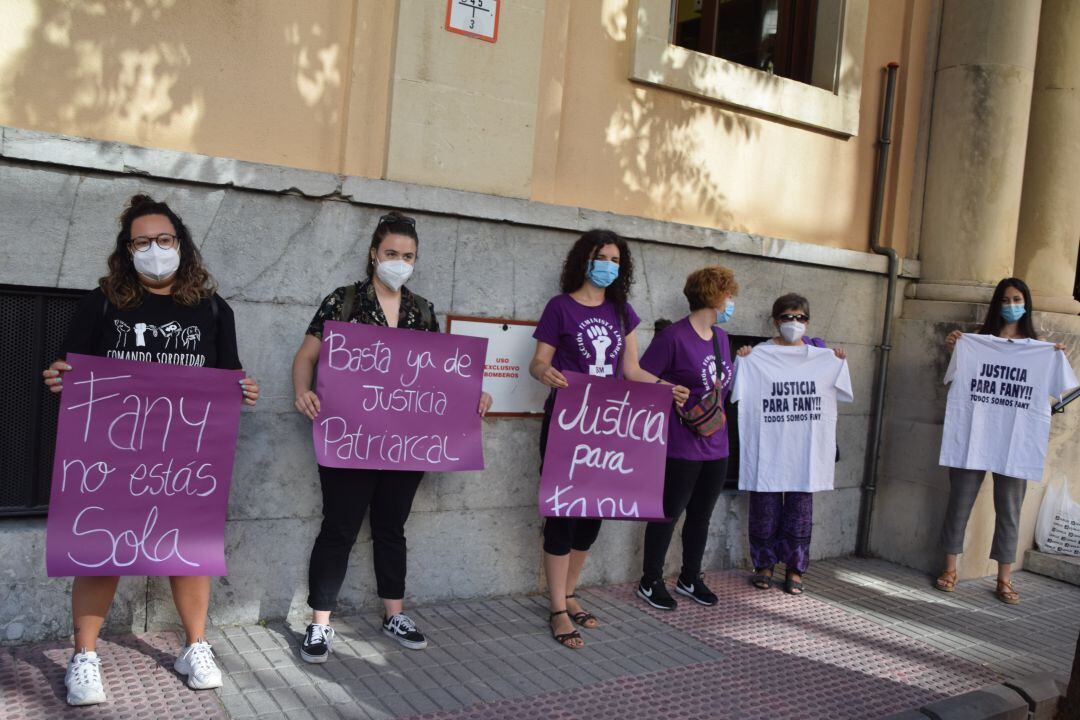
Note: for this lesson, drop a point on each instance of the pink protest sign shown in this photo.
(144, 457)
(398, 399)
(606, 450)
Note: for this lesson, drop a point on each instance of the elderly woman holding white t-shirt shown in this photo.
(1009, 316)
(780, 522)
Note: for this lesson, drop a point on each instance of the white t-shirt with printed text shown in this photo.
(997, 416)
(787, 400)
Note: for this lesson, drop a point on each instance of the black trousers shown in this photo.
(562, 534)
(693, 486)
(347, 495)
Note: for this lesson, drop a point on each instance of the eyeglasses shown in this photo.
(165, 241)
(396, 219)
(796, 317)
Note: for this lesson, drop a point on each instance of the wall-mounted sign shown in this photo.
(506, 369)
(474, 18)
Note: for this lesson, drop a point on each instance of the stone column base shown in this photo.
(951, 292)
(1058, 304)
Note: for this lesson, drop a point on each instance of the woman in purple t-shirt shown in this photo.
(684, 353)
(589, 328)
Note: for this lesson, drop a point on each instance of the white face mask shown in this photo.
(155, 263)
(792, 331)
(393, 273)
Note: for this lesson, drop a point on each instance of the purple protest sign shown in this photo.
(398, 399)
(144, 457)
(606, 450)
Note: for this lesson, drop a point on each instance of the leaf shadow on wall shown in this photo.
(206, 77)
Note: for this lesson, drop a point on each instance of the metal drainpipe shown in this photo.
(869, 486)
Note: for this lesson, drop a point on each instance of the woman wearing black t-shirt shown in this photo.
(381, 299)
(156, 304)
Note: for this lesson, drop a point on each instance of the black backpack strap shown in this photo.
(347, 303)
(426, 316)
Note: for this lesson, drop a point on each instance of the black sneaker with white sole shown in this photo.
(656, 594)
(403, 629)
(317, 643)
(697, 590)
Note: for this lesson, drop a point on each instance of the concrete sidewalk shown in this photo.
(868, 639)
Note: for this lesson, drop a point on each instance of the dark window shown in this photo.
(776, 36)
(732, 481)
(33, 322)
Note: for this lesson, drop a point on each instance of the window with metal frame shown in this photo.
(33, 322)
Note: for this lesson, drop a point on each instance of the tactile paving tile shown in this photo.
(783, 656)
(138, 675)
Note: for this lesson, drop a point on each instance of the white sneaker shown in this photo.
(197, 662)
(83, 679)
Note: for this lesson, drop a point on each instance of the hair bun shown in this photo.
(140, 199)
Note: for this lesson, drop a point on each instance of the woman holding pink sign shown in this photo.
(156, 304)
(589, 328)
(696, 353)
(381, 299)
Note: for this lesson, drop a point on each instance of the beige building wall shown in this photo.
(259, 80)
(606, 143)
(378, 88)
(464, 110)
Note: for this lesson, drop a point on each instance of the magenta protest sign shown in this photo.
(606, 450)
(398, 399)
(144, 457)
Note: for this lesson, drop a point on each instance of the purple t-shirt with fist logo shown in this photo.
(679, 355)
(586, 339)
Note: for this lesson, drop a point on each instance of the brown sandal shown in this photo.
(946, 582)
(565, 639)
(1006, 594)
(584, 619)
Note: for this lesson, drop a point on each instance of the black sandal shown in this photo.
(564, 638)
(760, 580)
(791, 586)
(582, 618)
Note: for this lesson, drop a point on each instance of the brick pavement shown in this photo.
(868, 639)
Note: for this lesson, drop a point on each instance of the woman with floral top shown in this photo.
(382, 299)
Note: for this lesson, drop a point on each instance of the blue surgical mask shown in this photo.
(1012, 313)
(603, 272)
(724, 315)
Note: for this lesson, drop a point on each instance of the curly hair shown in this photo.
(576, 267)
(393, 223)
(706, 286)
(121, 285)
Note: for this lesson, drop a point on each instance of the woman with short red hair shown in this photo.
(693, 352)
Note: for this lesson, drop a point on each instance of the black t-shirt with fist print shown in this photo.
(159, 329)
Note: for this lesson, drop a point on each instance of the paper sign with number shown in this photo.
(474, 18)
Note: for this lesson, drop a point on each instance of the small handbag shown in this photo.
(707, 417)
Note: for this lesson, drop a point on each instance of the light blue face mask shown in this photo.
(1012, 313)
(603, 272)
(724, 315)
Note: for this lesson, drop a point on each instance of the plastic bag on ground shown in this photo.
(1057, 529)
